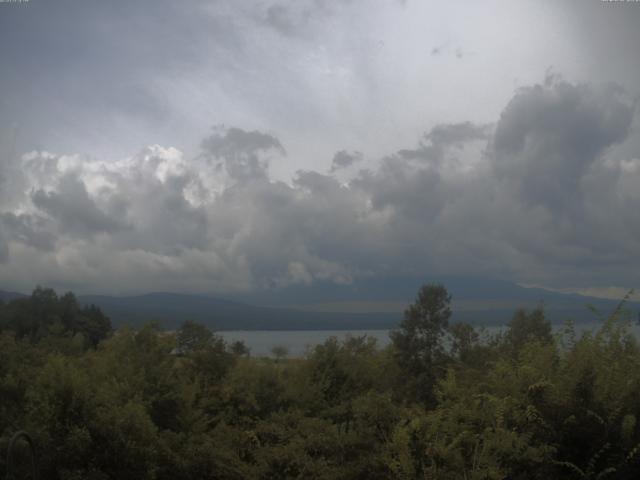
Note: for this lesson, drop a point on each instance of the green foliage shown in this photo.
(419, 341)
(441, 402)
(239, 348)
(193, 337)
(526, 327)
(206, 353)
(45, 315)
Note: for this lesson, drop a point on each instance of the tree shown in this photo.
(206, 350)
(279, 352)
(93, 324)
(193, 336)
(240, 349)
(46, 315)
(418, 342)
(463, 339)
(527, 327)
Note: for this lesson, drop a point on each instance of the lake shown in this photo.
(260, 342)
(296, 341)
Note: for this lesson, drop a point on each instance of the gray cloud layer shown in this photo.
(343, 159)
(548, 194)
(105, 78)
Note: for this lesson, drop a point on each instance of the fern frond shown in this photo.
(571, 466)
(605, 472)
(594, 459)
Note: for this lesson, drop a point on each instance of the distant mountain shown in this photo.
(8, 296)
(171, 309)
(366, 304)
(390, 289)
(474, 300)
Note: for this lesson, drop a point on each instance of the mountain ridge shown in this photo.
(356, 307)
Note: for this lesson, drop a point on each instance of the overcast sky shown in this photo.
(225, 146)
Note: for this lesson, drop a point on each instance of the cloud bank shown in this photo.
(547, 194)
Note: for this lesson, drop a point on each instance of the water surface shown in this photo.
(260, 342)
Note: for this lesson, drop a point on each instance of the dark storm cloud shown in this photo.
(528, 199)
(417, 193)
(456, 135)
(343, 159)
(162, 218)
(31, 230)
(445, 137)
(74, 209)
(549, 137)
(235, 142)
(281, 230)
(242, 152)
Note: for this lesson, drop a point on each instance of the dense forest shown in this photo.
(442, 401)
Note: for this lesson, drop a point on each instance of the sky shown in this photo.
(228, 146)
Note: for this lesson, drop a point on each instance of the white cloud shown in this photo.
(547, 195)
